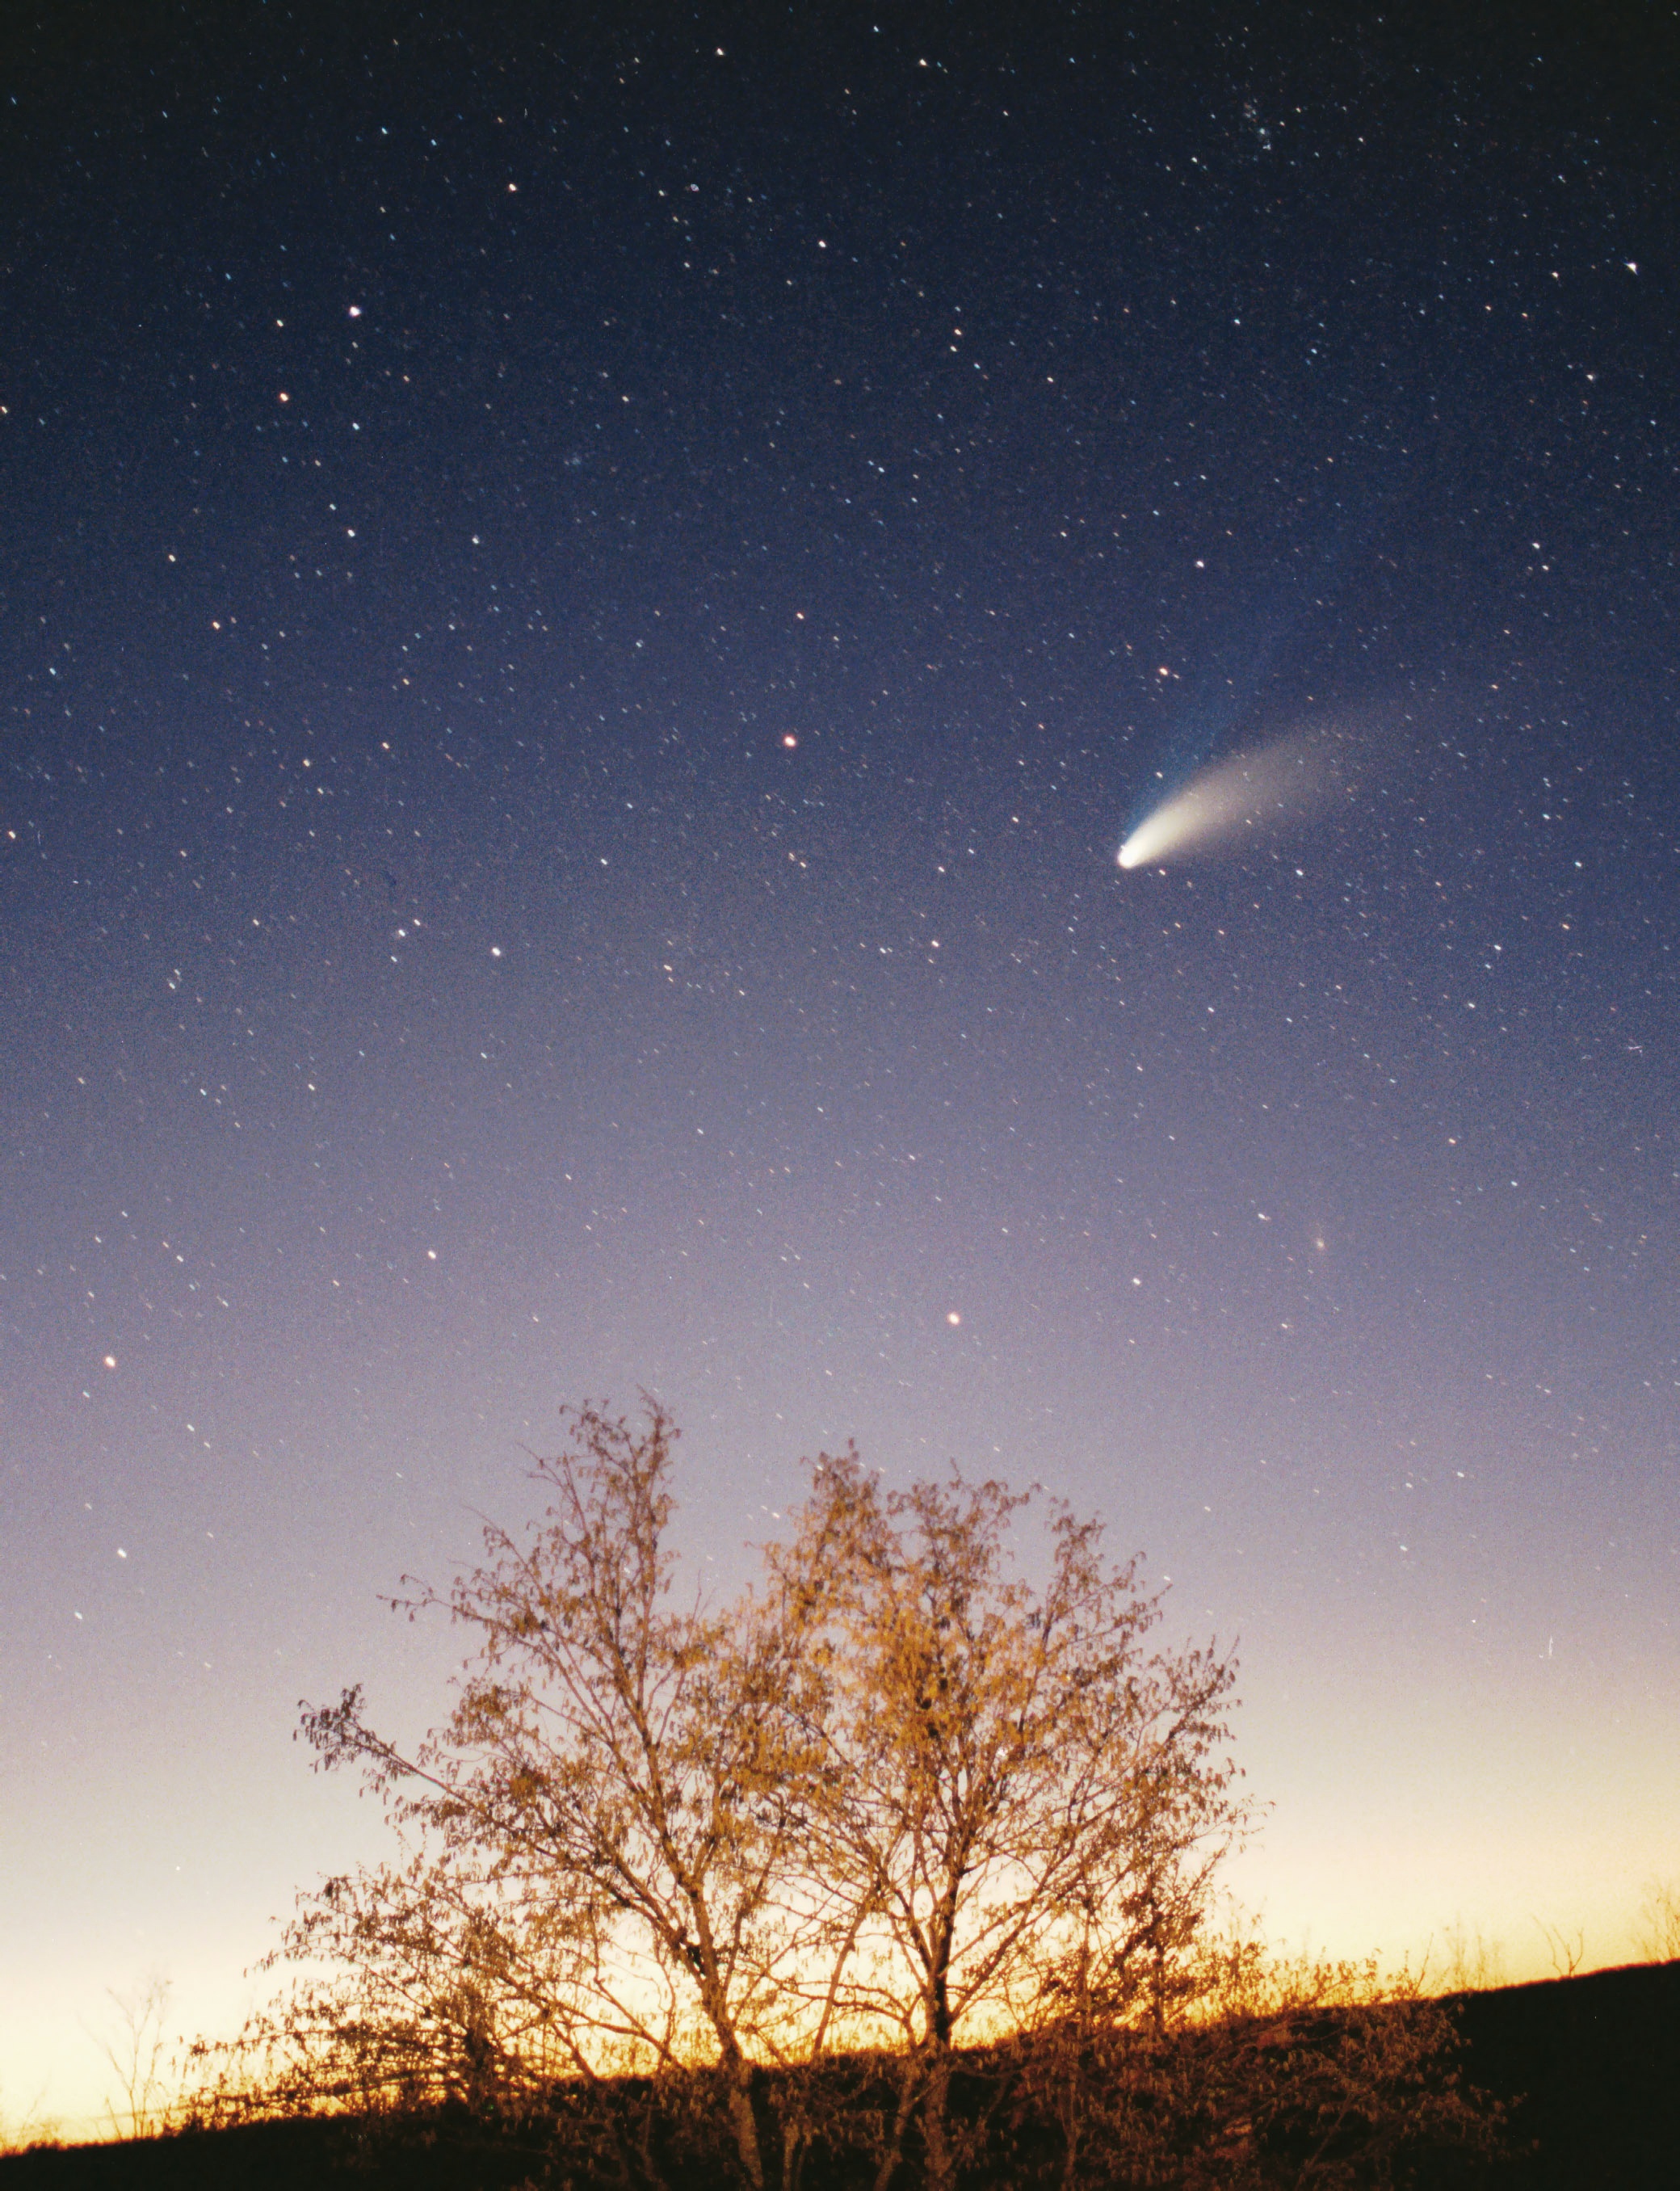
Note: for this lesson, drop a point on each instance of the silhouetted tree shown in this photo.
(1019, 1798)
(1659, 1921)
(138, 2055)
(903, 1857)
(610, 1872)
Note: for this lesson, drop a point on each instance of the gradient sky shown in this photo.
(582, 615)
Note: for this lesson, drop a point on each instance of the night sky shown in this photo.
(586, 604)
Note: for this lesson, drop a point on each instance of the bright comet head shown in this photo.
(1233, 796)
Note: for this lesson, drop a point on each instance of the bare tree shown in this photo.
(1659, 1921)
(1018, 1800)
(138, 2054)
(1567, 1952)
(31, 2128)
(1474, 1963)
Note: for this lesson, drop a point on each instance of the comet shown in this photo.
(1248, 794)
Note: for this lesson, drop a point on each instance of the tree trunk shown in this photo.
(935, 2127)
(894, 2150)
(941, 2169)
(743, 2121)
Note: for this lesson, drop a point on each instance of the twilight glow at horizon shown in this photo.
(585, 612)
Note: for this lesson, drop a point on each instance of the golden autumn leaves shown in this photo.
(777, 1874)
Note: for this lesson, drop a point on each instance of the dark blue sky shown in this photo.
(583, 613)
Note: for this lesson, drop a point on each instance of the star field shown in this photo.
(585, 613)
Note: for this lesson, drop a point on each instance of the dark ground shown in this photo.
(1596, 2061)
(1590, 2067)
